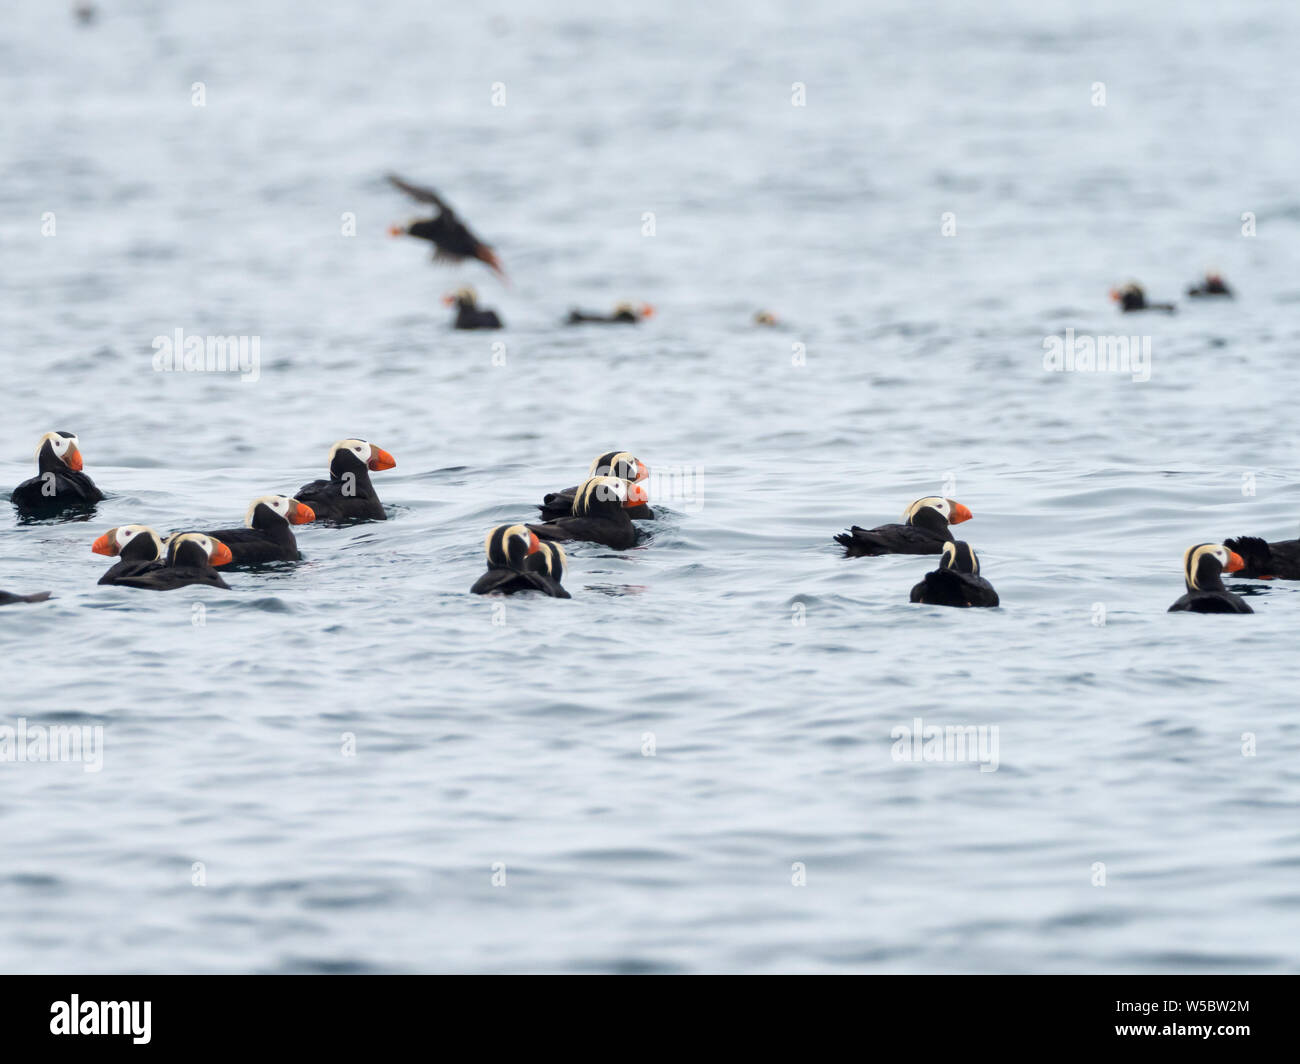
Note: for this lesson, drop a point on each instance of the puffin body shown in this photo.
(924, 530)
(190, 559)
(59, 486)
(7, 598)
(451, 238)
(348, 495)
(468, 313)
(266, 535)
(1203, 566)
(624, 314)
(1213, 285)
(599, 514)
(139, 546)
(1262, 560)
(519, 561)
(619, 464)
(957, 581)
(1133, 297)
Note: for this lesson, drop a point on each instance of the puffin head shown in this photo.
(463, 297)
(765, 317)
(265, 510)
(550, 560)
(58, 448)
(132, 542)
(606, 494)
(1129, 296)
(508, 546)
(619, 464)
(936, 512)
(640, 313)
(194, 548)
(353, 456)
(1204, 563)
(959, 557)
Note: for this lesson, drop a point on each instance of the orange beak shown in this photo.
(302, 514)
(960, 513)
(448, 300)
(1114, 294)
(103, 545)
(380, 459)
(1235, 562)
(396, 230)
(74, 458)
(221, 554)
(534, 544)
(641, 472)
(647, 311)
(636, 496)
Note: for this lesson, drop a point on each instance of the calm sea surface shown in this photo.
(635, 780)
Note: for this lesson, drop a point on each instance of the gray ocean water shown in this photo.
(635, 780)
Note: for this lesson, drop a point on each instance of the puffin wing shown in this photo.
(419, 193)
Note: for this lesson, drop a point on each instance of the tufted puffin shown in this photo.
(519, 561)
(1213, 285)
(468, 314)
(1262, 560)
(766, 317)
(139, 547)
(59, 486)
(1133, 297)
(190, 559)
(957, 581)
(450, 237)
(924, 530)
(266, 535)
(610, 464)
(624, 314)
(1202, 569)
(599, 514)
(8, 598)
(348, 495)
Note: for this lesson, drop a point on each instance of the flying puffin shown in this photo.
(1203, 566)
(518, 561)
(450, 237)
(924, 530)
(468, 313)
(348, 495)
(599, 514)
(957, 581)
(619, 464)
(266, 535)
(190, 559)
(60, 486)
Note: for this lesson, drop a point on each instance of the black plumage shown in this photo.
(924, 530)
(599, 514)
(1203, 566)
(190, 560)
(519, 561)
(621, 464)
(957, 581)
(623, 314)
(137, 547)
(469, 315)
(266, 535)
(1212, 286)
(451, 238)
(348, 496)
(1133, 297)
(1262, 560)
(60, 487)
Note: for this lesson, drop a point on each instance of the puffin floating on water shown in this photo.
(348, 496)
(1203, 566)
(468, 313)
(957, 581)
(1262, 560)
(191, 558)
(451, 238)
(59, 487)
(140, 548)
(1213, 285)
(1133, 297)
(519, 561)
(624, 314)
(599, 514)
(924, 530)
(619, 464)
(266, 535)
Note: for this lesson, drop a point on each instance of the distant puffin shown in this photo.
(599, 515)
(60, 486)
(518, 561)
(1262, 560)
(266, 535)
(348, 495)
(139, 546)
(450, 237)
(619, 464)
(957, 581)
(1202, 569)
(624, 314)
(1212, 285)
(190, 559)
(1133, 297)
(766, 317)
(924, 530)
(8, 598)
(468, 314)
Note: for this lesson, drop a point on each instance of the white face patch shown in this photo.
(61, 445)
(934, 502)
(358, 447)
(279, 503)
(124, 535)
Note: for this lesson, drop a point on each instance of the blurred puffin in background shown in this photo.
(957, 581)
(924, 530)
(8, 598)
(518, 561)
(468, 314)
(619, 464)
(59, 486)
(624, 314)
(348, 495)
(451, 238)
(1203, 566)
(1212, 285)
(1132, 297)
